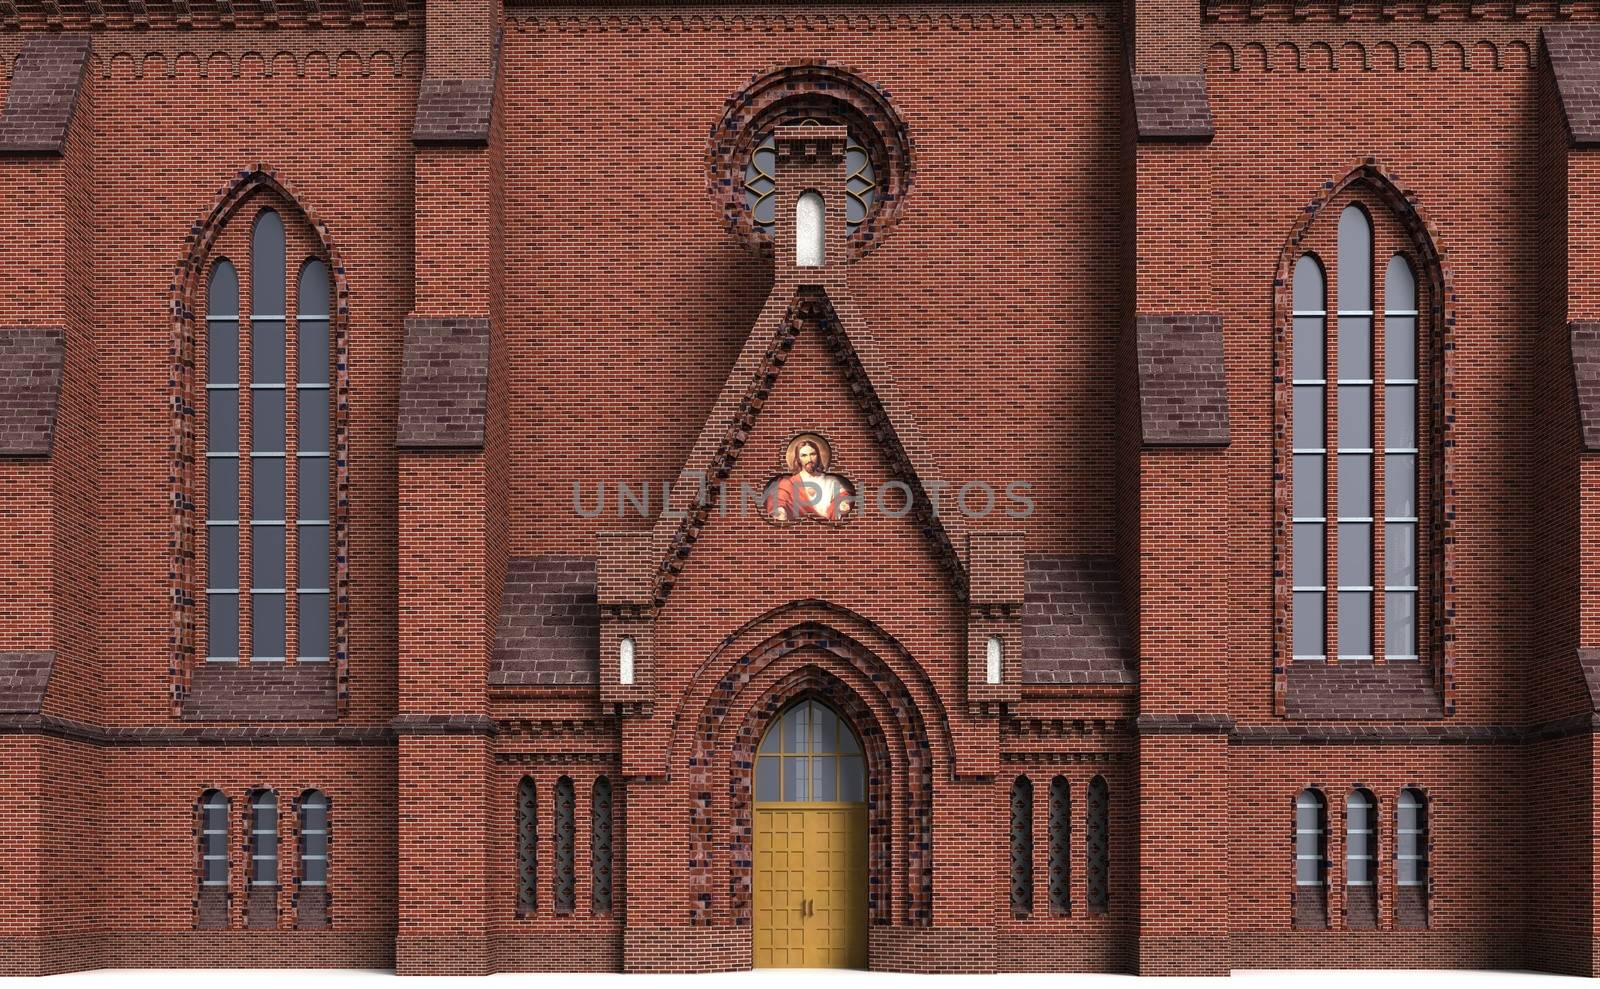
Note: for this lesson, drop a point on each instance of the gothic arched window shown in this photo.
(810, 754)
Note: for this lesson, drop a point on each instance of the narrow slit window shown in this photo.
(1355, 427)
(314, 465)
(214, 839)
(222, 463)
(1060, 847)
(600, 847)
(264, 838)
(1021, 847)
(1097, 845)
(1411, 859)
(1400, 450)
(313, 839)
(1310, 860)
(268, 441)
(527, 847)
(994, 651)
(810, 225)
(1309, 519)
(565, 870)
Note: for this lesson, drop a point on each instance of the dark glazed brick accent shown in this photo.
(453, 111)
(1574, 53)
(44, 91)
(549, 624)
(1361, 908)
(30, 382)
(1586, 379)
(23, 678)
(1171, 107)
(211, 908)
(311, 908)
(1411, 907)
(1363, 690)
(1183, 393)
(262, 692)
(1074, 630)
(444, 382)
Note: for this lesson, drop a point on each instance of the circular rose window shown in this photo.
(877, 151)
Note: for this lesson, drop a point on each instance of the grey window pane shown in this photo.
(772, 741)
(267, 422)
(266, 351)
(769, 780)
(1355, 485)
(215, 841)
(313, 351)
(266, 265)
(1355, 623)
(314, 561)
(222, 557)
(1309, 566)
(1308, 284)
(1355, 259)
(1400, 415)
(1405, 819)
(1400, 285)
(1307, 428)
(1355, 346)
(794, 778)
(824, 778)
(216, 871)
(1400, 347)
(1400, 553)
(222, 421)
(222, 489)
(1307, 817)
(847, 739)
(852, 780)
(1310, 357)
(316, 872)
(796, 728)
(267, 626)
(267, 556)
(315, 630)
(1400, 623)
(314, 489)
(313, 289)
(314, 844)
(1400, 485)
(1355, 416)
(1308, 485)
(1355, 554)
(1308, 872)
(313, 420)
(1308, 622)
(222, 626)
(1357, 869)
(222, 294)
(222, 352)
(824, 729)
(266, 480)
(1406, 872)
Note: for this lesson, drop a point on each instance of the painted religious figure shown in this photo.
(808, 491)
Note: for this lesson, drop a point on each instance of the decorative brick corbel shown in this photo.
(994, 611)
(624, 590)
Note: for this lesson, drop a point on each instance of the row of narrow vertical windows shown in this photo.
(263, 844)
(1097, 859)
(563, 838)
(1355, 470)
(268, 426)
(1411, 858)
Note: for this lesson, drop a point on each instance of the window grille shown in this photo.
(600, 846)
(1097, 845)
(1021, 847)
(565, 878)
(1060, 847)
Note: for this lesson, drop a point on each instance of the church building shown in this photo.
(1078, 486)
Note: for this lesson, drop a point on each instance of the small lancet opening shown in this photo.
(994, 652)
(809, 230)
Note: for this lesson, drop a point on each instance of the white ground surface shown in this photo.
(790, 979)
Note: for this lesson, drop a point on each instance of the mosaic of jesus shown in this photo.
(808, 491)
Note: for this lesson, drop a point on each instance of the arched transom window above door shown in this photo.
(810, 755)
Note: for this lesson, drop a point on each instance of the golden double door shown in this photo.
(810, 885)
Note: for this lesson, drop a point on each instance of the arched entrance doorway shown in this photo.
(809, 877)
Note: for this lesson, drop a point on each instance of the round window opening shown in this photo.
(810, 755)
(860, 183)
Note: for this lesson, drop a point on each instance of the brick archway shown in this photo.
(812, 658)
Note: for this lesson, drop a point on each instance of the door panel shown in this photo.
(810, 886)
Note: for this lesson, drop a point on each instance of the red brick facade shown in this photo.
(1051, 357)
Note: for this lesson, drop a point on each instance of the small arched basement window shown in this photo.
(315, 839)
(1310, 860)
(1411, 859)
(211, 905)
(1360, 860)
(1021, 847)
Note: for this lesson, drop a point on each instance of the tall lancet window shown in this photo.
(1357, 402)
(810, 226)
(269, 443)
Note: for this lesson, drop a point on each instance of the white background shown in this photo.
(789, 979)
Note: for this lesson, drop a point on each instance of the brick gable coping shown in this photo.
(31, 360)
(1074, 627)
(83, 15)
(1573, 51)
(549, 632)
(45, 83)
(23, 677)
(1171, 107)
(1183, 390)
(1585, 343)
(443, 382)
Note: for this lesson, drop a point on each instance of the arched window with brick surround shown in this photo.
(1411, 859)
(1310, 860)
(315, 839)
(211, 903)
(1364, 411)
(1361, 860)
(258, 445)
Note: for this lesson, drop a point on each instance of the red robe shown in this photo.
(798, 498)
